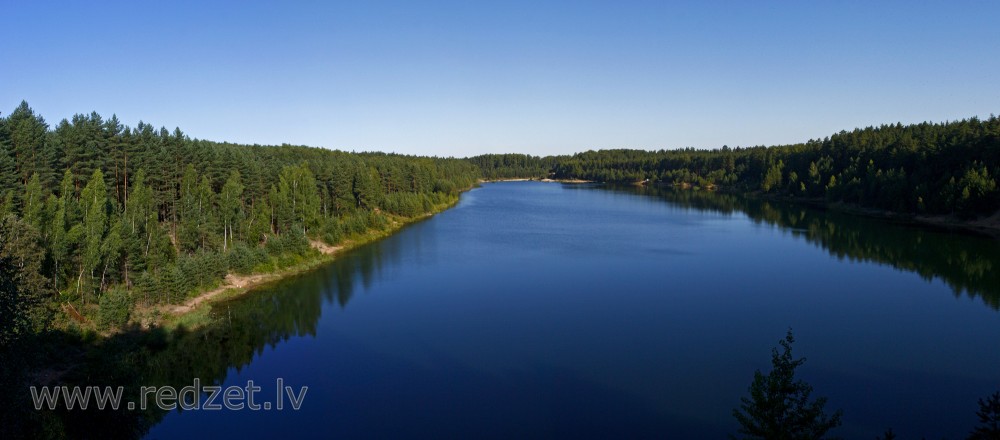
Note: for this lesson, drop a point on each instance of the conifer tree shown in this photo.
(779, 406)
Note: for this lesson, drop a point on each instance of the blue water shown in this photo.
(550, 310)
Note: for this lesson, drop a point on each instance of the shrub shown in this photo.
(115, 308)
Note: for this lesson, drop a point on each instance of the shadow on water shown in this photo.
(965, 262)
(243, 328)
(240, 330)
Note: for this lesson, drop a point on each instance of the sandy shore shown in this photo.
(519, 179)
(246, 282)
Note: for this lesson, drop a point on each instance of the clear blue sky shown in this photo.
(465, 77)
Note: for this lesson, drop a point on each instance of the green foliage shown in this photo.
(15, 320)
(297, 198)
(772, 179)
(162, 216)
(115, 308)
(779, 406)
(231, 208)
(94, 205)
(243, 260)
(33, 203)
(947, 168)
(509, 166)
(21, 249)
(27, 142)
(978, 191)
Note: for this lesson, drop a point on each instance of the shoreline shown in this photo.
(989, 225)
(194, 312)
(534, 179)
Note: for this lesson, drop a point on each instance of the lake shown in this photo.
(553, 310)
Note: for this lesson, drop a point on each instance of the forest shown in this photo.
(948, 168)
(98, 218)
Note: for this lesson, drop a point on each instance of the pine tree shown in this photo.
(779, 406)
(989, 419)
(8, 168)
(27, 139)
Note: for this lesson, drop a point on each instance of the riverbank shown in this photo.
(195, 311)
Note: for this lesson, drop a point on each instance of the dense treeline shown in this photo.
(510, 166)
(99, 215)
(945, 168)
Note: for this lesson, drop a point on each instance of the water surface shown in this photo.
(544, 310)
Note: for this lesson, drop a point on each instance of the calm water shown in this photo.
(543, 310)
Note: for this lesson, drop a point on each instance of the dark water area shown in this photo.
(550, 310)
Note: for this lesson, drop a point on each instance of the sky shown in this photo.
(465, 77)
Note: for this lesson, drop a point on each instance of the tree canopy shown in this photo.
(95, 206)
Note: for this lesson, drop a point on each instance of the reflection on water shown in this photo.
(245, 328)
(966, 262)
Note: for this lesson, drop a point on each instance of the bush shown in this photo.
(242, 259)
(115, 308)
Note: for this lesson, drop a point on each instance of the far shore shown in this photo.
(989, 225)
(522, 179)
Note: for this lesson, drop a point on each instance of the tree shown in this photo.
(230, 207)
(366, 189)
(187, 235)
(989, 419)
(19, 247)
(779, 407)
(205, 213)
(14, 319)
(61, 215)
(772, 179)
(33, 203)
(140, 225)
(298, 197)
(27, 138)
(8, 169)
(94, 205)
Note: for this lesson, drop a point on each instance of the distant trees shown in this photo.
(506, 166)
(779, 406)
(946, 168)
